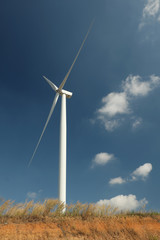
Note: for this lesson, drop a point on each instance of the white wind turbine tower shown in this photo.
(63, 128)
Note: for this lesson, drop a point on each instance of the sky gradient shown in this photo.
(113, 116)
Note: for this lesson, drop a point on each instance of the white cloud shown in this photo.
(114, 103)
(117, 180)
(142, 171)
(124, 202)
(116, 106)
(155, 81)
(151, 11)
(102, 159)
(32, 195)
(134, 86)
(110, 124)
(137, 122)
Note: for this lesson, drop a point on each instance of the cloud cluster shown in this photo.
(102, 159)
(141, 173)
(124, 202)
(151, 11)
(116, 105)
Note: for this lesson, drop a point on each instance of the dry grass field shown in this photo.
(45, 221)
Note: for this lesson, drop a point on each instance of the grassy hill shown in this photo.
(45, 221)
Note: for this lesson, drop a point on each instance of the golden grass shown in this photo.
(52, 208)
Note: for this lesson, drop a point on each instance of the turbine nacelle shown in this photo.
(67, 93)
(56, 89)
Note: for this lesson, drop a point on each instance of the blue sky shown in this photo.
(113, 117)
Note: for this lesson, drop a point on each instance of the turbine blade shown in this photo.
(53, 86)
(67, 75)
(45, 126)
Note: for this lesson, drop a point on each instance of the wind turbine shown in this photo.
(63, 126)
